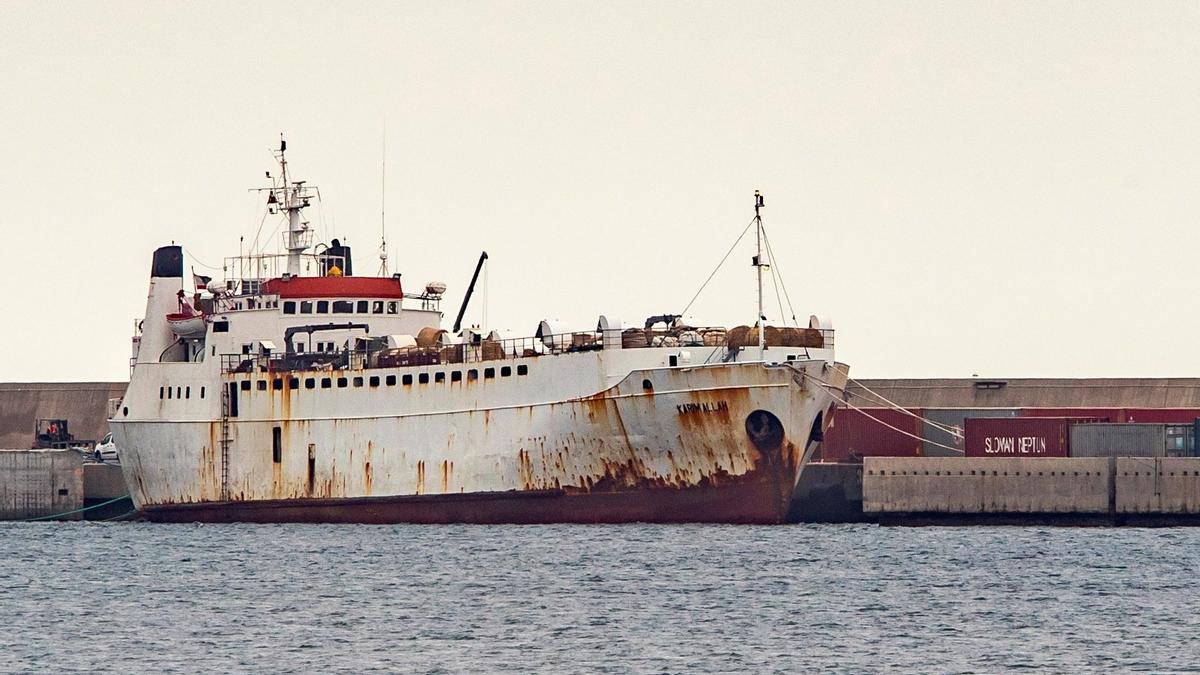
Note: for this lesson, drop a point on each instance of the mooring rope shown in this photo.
(86, 508)
(869, 416)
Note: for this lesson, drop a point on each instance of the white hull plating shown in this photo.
(686, 429)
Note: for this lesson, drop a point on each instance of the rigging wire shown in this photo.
(261, 222)
(197, 260)
(718, 267)
(778, 297)
(775, 264)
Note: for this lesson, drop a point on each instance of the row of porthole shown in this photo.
(1027, 473)
(390, 380)
(981, 473)
(177, 392)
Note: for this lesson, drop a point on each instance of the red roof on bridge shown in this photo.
(334, 287)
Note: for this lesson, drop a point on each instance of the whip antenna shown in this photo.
(383, 256)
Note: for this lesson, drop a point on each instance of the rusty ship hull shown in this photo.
(713, 443)
(293, 391)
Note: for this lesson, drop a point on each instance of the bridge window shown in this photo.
(377, 307)
(276, 384)
(439, 377)
(374, 381)
(245, 385)
(310, 383)
(423, 378)
(472, 375)
(391, 380)
(393, 307)
(362, 306)
(306, 307)
(342, 382)
(489, 373)
(358, 382)
(456, 376)
(522, 369)
(506, 371)
(262, 385)
(326, 383)
(289, 307)
(293, 383)
(343, 307)
(406, 380)
(322, 307)
(220, 326)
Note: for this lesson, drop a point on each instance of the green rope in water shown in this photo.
(123, 516)
(67, 513)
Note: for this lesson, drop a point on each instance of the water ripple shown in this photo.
(642, 598)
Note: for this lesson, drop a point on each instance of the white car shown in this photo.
(106, 450)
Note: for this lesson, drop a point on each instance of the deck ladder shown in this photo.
(225, 442)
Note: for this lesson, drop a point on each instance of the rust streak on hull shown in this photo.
(751, 499)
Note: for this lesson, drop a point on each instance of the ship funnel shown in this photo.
(167, 263)
(166, 282)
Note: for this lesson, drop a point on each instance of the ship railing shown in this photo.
(481, 349)
(247, 272)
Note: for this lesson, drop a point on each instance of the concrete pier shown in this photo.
(1077, 490)
(39, 483)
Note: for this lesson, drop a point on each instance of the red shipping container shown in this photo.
(1113, 415)
(1019, 436)
(1162, 415)
(854, 435)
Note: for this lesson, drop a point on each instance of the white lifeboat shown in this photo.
(187, 325)
(187, 322)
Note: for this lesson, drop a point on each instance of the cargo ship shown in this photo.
(294, 391)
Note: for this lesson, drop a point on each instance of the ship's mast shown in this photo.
(758, 268)
(295, 198)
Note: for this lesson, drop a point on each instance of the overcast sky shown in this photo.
(1008, 189)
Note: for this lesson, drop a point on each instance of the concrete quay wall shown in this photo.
(1158, 485)
(986, 485)
(37, 483)
(1120, 489)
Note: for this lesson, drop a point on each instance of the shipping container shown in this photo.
(1162, 415)
(1113, 415)
(956, 418)
(1118, 440)
(855, 435)
(1018, 436)
(1181, 439)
